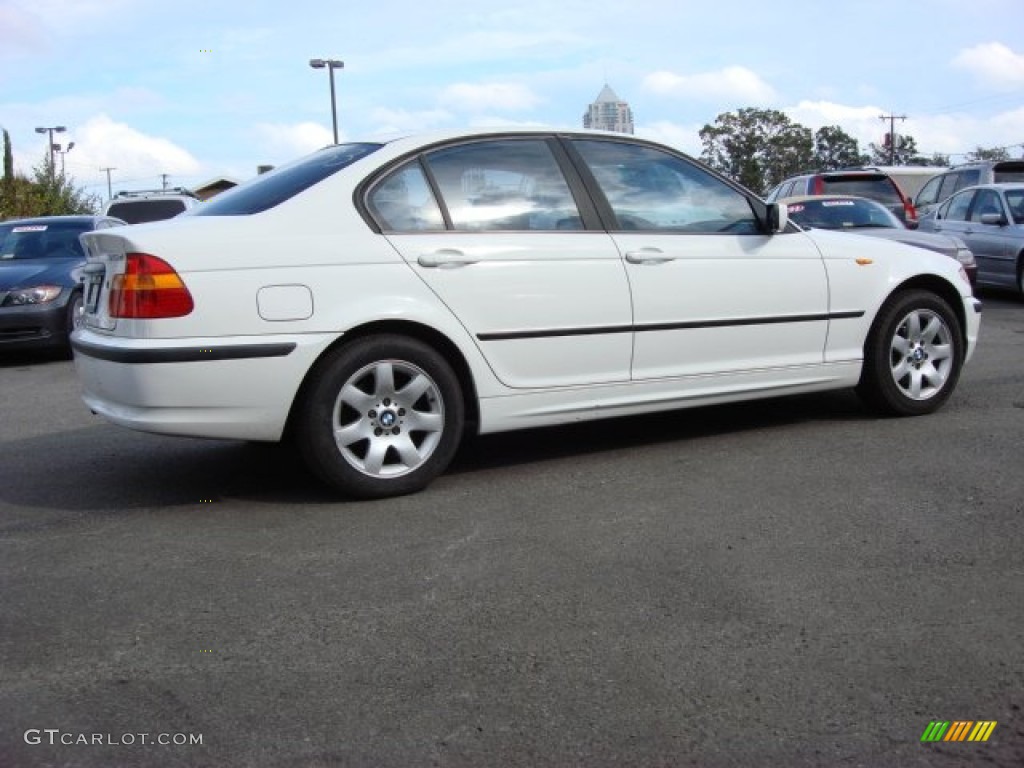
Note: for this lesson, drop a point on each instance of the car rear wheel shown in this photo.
(913, 355)
(76, 313)
(381, 416)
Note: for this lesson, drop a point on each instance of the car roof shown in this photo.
(997, 185)
(68, 219)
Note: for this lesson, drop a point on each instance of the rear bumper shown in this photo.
(229, 388)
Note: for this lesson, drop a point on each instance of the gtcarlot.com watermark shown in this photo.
(55, 737)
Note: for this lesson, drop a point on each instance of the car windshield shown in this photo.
(842, 214)
(879, 188)
(274, 188)
(42, 240)
(141, 211)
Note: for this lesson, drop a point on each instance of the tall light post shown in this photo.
(51, 131)
(331, 65)
(63, 152)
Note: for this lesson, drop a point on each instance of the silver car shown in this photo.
(862, 216)
(990, 219)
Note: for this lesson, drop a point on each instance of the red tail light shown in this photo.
(148, 289)
(909, 210)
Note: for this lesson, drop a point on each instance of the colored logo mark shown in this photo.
(958, 730)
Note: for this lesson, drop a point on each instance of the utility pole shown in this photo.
(892, 134)
(110, 193)
(164, 177)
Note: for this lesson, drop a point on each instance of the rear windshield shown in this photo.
(141, 211)
(279, 185)
(881, 188)
(42, 241)
(1008, 172)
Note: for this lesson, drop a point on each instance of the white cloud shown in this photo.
(948, 134)
(682, 137)
(289, 141)
(474, 98)
(729, 84)
(397, 121)
(102, 143)
(994, 65)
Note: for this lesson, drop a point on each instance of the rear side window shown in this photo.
(141, 211)
(274, 188)
(510, 185)
(967, 178)
(957, 207)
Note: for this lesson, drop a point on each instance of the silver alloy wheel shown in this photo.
(921, 354)
(388, 418)
(76, 312)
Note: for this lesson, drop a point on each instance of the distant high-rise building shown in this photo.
(609, 113)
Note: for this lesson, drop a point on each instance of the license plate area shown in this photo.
(93, 287)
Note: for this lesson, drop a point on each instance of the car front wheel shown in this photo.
(381, 416)
(913, 355)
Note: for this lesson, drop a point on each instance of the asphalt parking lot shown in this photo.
(783, 584)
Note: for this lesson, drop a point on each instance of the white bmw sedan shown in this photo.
(374, 301)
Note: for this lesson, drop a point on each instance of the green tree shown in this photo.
(8, 157)
(757, 147)
(903, 152)
(47, 193)
(834, 149)
(995, 153)
(937, 158)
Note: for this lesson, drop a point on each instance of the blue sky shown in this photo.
(197, 90)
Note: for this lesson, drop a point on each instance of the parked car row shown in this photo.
(978, 204)
(373, 302)
(862, 182)
(861, 216)
(990, 219)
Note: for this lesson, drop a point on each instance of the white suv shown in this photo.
(150, 204)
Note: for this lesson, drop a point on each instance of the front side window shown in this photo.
(986, 201)
(1015, 200)
(652, 190)
(957, 207)
(503, 185)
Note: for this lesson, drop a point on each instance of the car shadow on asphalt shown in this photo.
(108, 470)
(28, 357)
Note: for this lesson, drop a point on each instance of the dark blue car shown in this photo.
(40, 293)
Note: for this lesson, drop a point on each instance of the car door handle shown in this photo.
(647, 256)
(445, 258)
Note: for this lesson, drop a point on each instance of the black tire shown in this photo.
(75, 309)
(380, 416)
(913, 355)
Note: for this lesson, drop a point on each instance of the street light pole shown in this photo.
(63, 152)
(331, 65)
(51, 131)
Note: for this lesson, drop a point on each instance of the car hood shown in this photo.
(947, 246)
(28, 273)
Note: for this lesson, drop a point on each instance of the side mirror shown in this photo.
(778, 217)
(993, 218)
